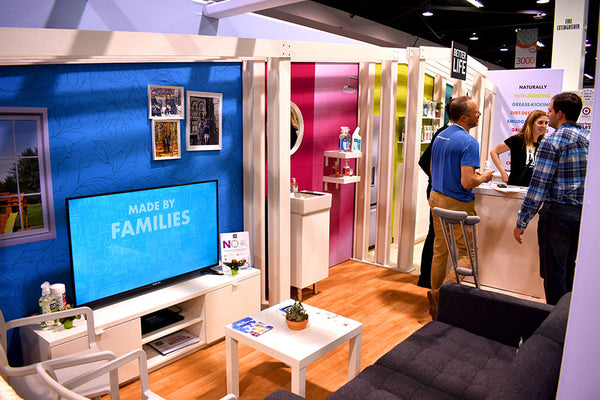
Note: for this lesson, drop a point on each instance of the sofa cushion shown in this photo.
(380, 383)
(554, 326)
(534, 372)
(451, 360)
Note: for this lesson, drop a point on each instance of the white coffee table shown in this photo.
(325, 332)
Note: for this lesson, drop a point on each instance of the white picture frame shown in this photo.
(204, 125)
(166, 139)
(165, 102)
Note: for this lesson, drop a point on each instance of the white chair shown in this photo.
(47, 371)
(451, 219)
(25, 379)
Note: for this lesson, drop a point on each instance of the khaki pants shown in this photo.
(439, 271)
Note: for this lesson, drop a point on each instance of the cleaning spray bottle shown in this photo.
(356, 139)
(48, 304)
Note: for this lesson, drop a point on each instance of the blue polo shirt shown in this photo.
(452, 149)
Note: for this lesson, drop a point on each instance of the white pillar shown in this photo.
(278, 157)
(568, 43)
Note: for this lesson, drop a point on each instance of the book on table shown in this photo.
(174, 341)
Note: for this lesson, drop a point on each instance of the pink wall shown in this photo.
(317, 91)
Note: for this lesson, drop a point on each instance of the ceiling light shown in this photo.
(427, 13)
(475, 3)
(540, 15)
(474, 37)
(587, 43)
(540, 44)
(543, 1)
(504, 48)
(588, 76)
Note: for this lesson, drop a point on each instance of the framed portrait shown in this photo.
(166, 143)
(203, 121)
(165, 102)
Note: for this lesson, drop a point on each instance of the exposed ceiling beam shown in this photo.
(230, 8)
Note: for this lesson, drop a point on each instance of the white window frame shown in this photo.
(49, 229)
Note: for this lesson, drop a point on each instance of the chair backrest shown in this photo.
(5, 326)
(46, 371)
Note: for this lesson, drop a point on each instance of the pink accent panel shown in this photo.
(317, 90)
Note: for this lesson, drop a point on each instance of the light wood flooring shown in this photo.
(388, 303)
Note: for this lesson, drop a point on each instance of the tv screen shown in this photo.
(127, 242)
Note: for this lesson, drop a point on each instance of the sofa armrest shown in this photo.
(496, 316)
(283, 394)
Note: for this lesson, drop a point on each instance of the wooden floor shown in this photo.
(388, 303)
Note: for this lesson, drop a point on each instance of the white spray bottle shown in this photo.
(356, 139)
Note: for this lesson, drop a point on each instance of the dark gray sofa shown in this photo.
(471, 352)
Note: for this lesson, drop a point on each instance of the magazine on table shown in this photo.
(251, 326)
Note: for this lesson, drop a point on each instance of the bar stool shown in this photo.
(450, 219)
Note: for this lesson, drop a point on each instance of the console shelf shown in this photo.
(207, 302)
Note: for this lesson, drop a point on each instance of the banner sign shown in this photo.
(585, 118)
(459, 61)
(526, 49)
(519, 92)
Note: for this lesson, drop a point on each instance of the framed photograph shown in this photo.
(166, 144)
(165, 102)
(203, 121)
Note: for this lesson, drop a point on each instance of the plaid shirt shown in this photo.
(559, 173)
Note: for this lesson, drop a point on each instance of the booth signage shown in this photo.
(526, 48)
(459, 61)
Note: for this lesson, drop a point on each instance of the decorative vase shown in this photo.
(234, 271)
(295, 325)
(68, 324)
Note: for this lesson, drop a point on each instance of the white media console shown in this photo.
(208, 303)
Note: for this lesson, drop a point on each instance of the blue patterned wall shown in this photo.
(101, 141)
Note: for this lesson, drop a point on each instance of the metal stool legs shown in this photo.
(449, 219)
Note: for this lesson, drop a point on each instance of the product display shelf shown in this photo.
(340, 154)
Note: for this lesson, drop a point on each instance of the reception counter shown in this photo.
(504, 263)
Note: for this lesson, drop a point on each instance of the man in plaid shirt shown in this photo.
(558, 182)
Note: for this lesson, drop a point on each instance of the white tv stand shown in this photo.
(208, 303)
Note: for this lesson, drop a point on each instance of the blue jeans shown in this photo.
(558, 237)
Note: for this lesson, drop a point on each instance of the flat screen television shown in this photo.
(126, 243)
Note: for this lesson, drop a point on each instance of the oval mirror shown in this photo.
(296, 128)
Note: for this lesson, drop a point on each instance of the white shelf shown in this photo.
(341, 154)
(189, 320)
(156, 360)
(342, 180)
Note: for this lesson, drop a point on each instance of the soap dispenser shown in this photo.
(48, 304)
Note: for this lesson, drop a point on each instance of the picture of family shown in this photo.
(203, 122)
(165, 102)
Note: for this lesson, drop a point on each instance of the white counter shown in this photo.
(504, 263)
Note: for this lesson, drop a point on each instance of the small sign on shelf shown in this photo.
(235, 246)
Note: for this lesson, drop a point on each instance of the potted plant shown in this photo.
(235, 265)
(67, 322)
(296, 316)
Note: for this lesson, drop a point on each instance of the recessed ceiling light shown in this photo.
(543, 1)
(427, 13)
(475, 3)
(540, 44)
(504, 48)
(588, 76)
(474, 37)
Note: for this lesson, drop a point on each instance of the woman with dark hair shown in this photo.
(523, 147)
